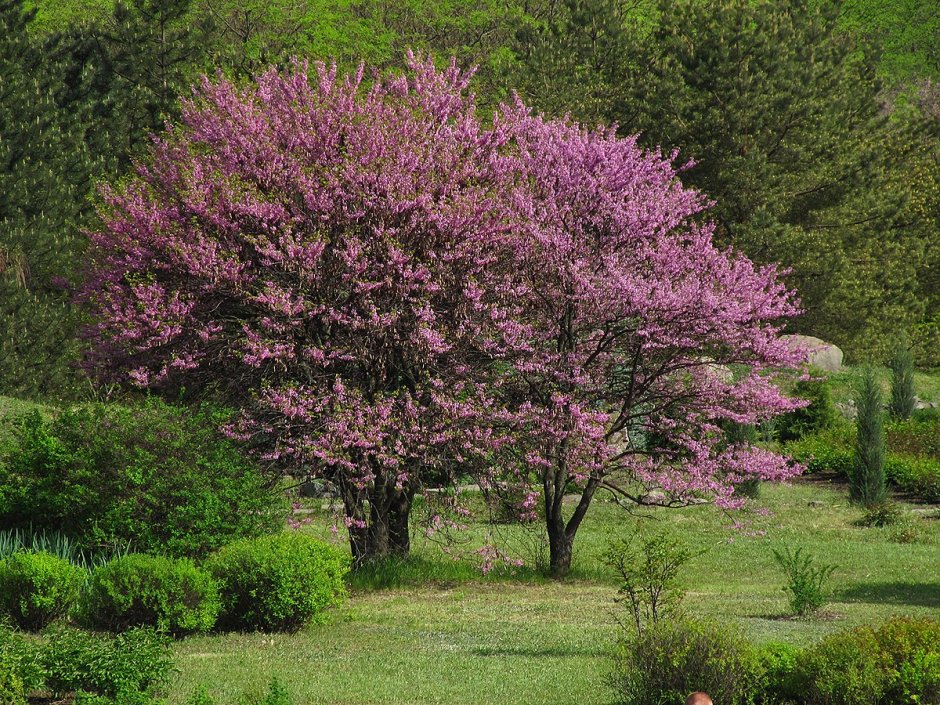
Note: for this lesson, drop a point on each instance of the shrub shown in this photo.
(830, 450)
(12, 691)
(778, 668)
(897, 663)
(127, 668)
(277, 583)
(805, 581)
(36, 588)
(867, 479)
(170, 594)
(60, 545)
(919, 477)
(157, 476)
(820, 414)
(22, 656)
(649, 573)
(664, 663)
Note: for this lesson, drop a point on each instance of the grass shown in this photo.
(433, 630)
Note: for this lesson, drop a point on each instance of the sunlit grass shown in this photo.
(434, 630)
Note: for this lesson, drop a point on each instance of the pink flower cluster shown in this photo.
(387, 286)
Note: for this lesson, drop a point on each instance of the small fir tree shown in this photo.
(902, 381)
(867, 480)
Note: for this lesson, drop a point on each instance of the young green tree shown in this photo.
(867, 479)
(902, 381)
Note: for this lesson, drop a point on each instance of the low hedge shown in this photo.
(169, 594)
(36, 588)
(279, 582)
(668, 660)
(897, 663)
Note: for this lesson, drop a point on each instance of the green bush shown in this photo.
(36, 588)
(867, 481)
(778, 668)
(903, 398)
(277, 583)
(917, 437)
(128, 668)
(829, 451)
(820, 414)
(169, 594)
(12, 691)
(897, 663)
(23, 657)
(919, 477)
(157, 476)
(806, 581)
(885, 513)
(666, 662)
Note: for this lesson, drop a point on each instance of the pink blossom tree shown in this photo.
(637, 336)
(322, 255)
(385, 288)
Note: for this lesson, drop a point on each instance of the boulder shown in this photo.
(819, 353)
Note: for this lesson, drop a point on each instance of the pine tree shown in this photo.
(45, 180)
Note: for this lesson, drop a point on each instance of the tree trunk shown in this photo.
(559, 550)
(386, 533)
(398, 522)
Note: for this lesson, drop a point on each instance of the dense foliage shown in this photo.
(898, 662)
(129, 668)
(277, 583)
(384, 286)
(36, 588)
(672, 658)
(150, 475)
(168, 594)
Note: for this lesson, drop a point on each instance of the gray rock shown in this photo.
(819, 353)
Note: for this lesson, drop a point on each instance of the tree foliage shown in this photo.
(388, 289)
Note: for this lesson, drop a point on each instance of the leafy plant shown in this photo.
(664, 663)
(36, 588)
(649, 567)
(135, 663)
(897, 663)
(818, 415)
(170, 595)
(24, 657)
(806, 581)
(155, 476)
(883, 514)
(277, 583)
(59, 545)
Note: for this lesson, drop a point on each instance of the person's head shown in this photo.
(698, 698)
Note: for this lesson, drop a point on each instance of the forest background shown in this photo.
(813, 125)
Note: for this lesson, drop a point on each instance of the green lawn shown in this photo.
(465, 639)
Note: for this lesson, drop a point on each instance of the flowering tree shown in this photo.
(322, 255)
(386, 288)
(631, 317)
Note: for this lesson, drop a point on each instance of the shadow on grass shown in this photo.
(914, 594)
(545, 652)
(415, 571)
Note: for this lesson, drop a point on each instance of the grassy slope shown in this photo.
(531, 641)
